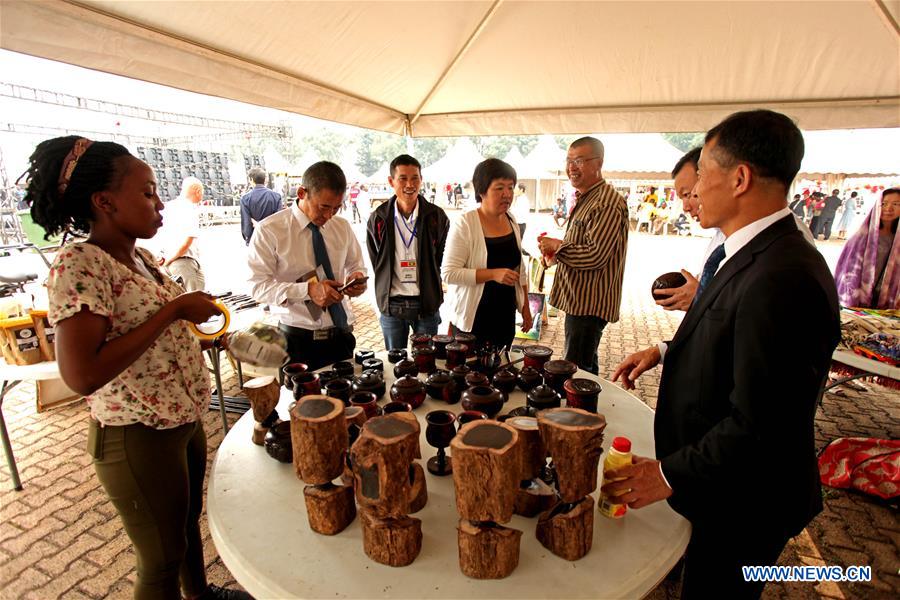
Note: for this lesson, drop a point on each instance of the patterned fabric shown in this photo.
(591, 258)
(168, 385)
(710, 268)
(855, 274)
(866, 464)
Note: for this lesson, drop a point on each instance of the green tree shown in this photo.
(685, 141)
(374, 148)
(564, 141)
(498, 146)
(430, 150)
(326, 143)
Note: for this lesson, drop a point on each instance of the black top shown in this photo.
(495, 318)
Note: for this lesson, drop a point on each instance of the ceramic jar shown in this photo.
(542, 397)
(408, 389)
(344, 369)
(289, 371)
(367, 401)
(505, 381)
(278, 442)
(437, 382)
(405, 367)
(424, 357)
(339, 388)
(456, 354)
(484, 399)
(373, 364)
(363, 355)
(666, 281)
(326, 376)
(393, 407)
(556, 372)
(306, 384)
(536, 356)
(419, 340)
(474, 378)
(528, 378)
(370, 382)
(468, 340)
(395, 356)
(440, 342)
(582, 393)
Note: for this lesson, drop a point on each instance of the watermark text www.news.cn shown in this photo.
(807, 573)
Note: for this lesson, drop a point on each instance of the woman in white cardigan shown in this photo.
(483, 266)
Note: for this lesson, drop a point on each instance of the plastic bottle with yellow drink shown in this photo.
(619, 456)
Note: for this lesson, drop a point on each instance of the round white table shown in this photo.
(258, 522)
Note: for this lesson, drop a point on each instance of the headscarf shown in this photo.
(855, 274)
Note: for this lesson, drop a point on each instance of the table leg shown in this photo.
(7, 446)
(217, 372)
(240, 372)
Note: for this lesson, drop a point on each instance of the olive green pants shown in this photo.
(154, 478)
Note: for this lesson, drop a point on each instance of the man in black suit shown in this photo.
(737, 397)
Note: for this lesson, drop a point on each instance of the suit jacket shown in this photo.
(740, 384)
(432, 226)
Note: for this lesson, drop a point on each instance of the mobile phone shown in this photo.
(352, 282)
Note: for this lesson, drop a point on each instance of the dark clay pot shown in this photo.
(582, 393)
(363, 355)
(505, 381)
(475, 378)
(306, 384)
(436, 383)
(373, 364)
(419, 340)
(367, 401)
(326, 376)
(543, 397)
(667, 280)
(405, 367)
(556, 372)
(410, 390)
(536, 356)
(468, 340)
(484, 399)
(395, 356)
(440, 342)
(290, 370)
(424, 358)
(393, 407)
(370, 382)
(343, 368)
(528, 378)
(456, 354)
(467, 416)
(278, 442)
(340, 389)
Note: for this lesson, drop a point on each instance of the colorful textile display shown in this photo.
(869, 465)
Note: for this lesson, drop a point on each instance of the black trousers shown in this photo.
(318, 353)
(715, 555)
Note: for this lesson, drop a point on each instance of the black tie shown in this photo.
(710, 268)
(336, 310)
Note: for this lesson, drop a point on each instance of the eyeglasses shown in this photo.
(579, 162)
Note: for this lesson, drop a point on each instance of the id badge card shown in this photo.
(407, 271)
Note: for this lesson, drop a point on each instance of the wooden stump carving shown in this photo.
(392, 541)
(381, 457)
(263, 395)
(573, 438)
(534, 497)
(487, 550)
(418, 489)
(487, 470)
(568, 534)
(532, 451)
(319, 438)
(330, 508)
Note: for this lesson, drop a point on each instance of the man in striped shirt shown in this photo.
(591, 258)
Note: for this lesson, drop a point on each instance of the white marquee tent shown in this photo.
(494, 67)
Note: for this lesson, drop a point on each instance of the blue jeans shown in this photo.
(583, 333)
(396, 329)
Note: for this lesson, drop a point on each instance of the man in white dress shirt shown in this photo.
(300, 258)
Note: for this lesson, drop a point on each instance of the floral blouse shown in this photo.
(168, 385)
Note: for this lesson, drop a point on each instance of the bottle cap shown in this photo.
(622, 444)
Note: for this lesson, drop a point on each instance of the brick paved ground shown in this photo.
(61, 538)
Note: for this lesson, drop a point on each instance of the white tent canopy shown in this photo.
(494, 66)
(852, 153)
(637, 156)
(456, 165)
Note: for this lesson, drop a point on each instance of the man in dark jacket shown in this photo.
(832, 203)
(258, 203)
(737, 397)
(405, 237)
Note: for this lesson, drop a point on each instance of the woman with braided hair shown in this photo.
(122, 341)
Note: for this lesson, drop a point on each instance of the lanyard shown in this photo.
(412, 231)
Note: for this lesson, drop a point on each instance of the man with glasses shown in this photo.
(299, 261)
(405, 238)
(591, 256)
